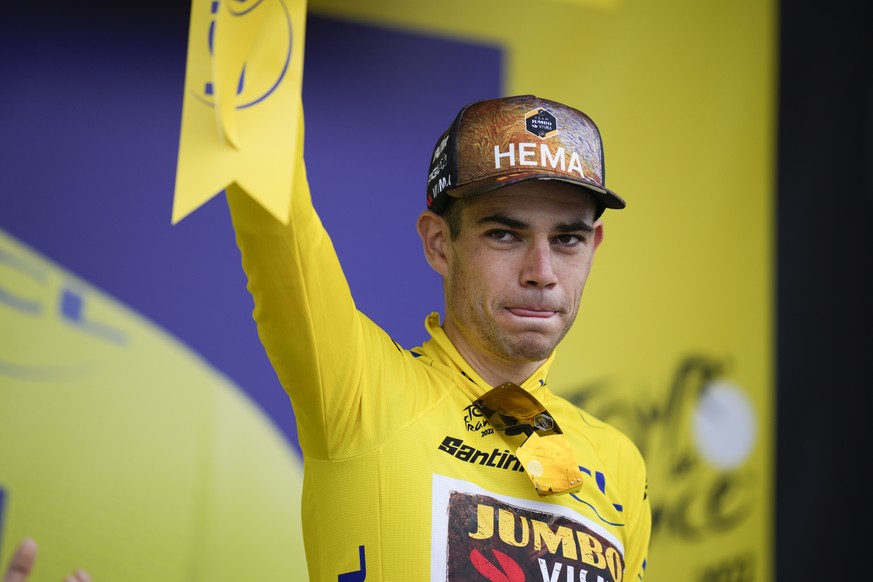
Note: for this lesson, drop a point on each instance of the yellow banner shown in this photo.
(242, 102)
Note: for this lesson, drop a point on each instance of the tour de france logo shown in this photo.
(268, 24)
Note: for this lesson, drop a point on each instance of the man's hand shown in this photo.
(21, 565)
(22, 562)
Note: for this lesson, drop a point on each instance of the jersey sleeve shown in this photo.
(327, 355)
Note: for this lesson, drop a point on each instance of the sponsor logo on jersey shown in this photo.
(495, 537)
(497, 458)
(475, 421)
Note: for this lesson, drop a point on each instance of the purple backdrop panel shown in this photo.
(376, 101)
(91, 110)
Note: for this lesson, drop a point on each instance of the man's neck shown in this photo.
(493, 369)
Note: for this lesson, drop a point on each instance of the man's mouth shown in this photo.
(531, 312)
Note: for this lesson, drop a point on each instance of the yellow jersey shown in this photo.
(403, 478)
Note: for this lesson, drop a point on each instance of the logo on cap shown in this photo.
(541, 123)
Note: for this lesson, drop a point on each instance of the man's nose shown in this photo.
(538, 269)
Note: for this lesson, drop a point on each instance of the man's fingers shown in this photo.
(22, 561)
(79, 576)
(21, 565)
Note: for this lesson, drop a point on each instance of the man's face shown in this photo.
(518, 266)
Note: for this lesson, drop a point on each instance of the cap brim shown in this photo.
(606, 197)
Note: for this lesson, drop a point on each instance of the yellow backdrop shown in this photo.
(674, 343)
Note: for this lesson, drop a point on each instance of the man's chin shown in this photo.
(533, 346)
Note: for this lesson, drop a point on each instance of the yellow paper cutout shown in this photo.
(549, 463)
(242, 102)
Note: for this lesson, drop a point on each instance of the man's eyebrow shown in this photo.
(509, 222)
(504, 220)
(574, 226)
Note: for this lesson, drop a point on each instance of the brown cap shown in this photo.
(503, 141)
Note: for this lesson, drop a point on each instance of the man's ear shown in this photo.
(434, 233)
(598, 233)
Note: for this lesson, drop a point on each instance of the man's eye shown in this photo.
(500, 235)
(568, 239)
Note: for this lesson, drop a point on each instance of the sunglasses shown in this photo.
(545, 453)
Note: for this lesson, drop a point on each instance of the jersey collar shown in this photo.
(440, 348)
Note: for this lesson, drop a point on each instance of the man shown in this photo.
(454, 460)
